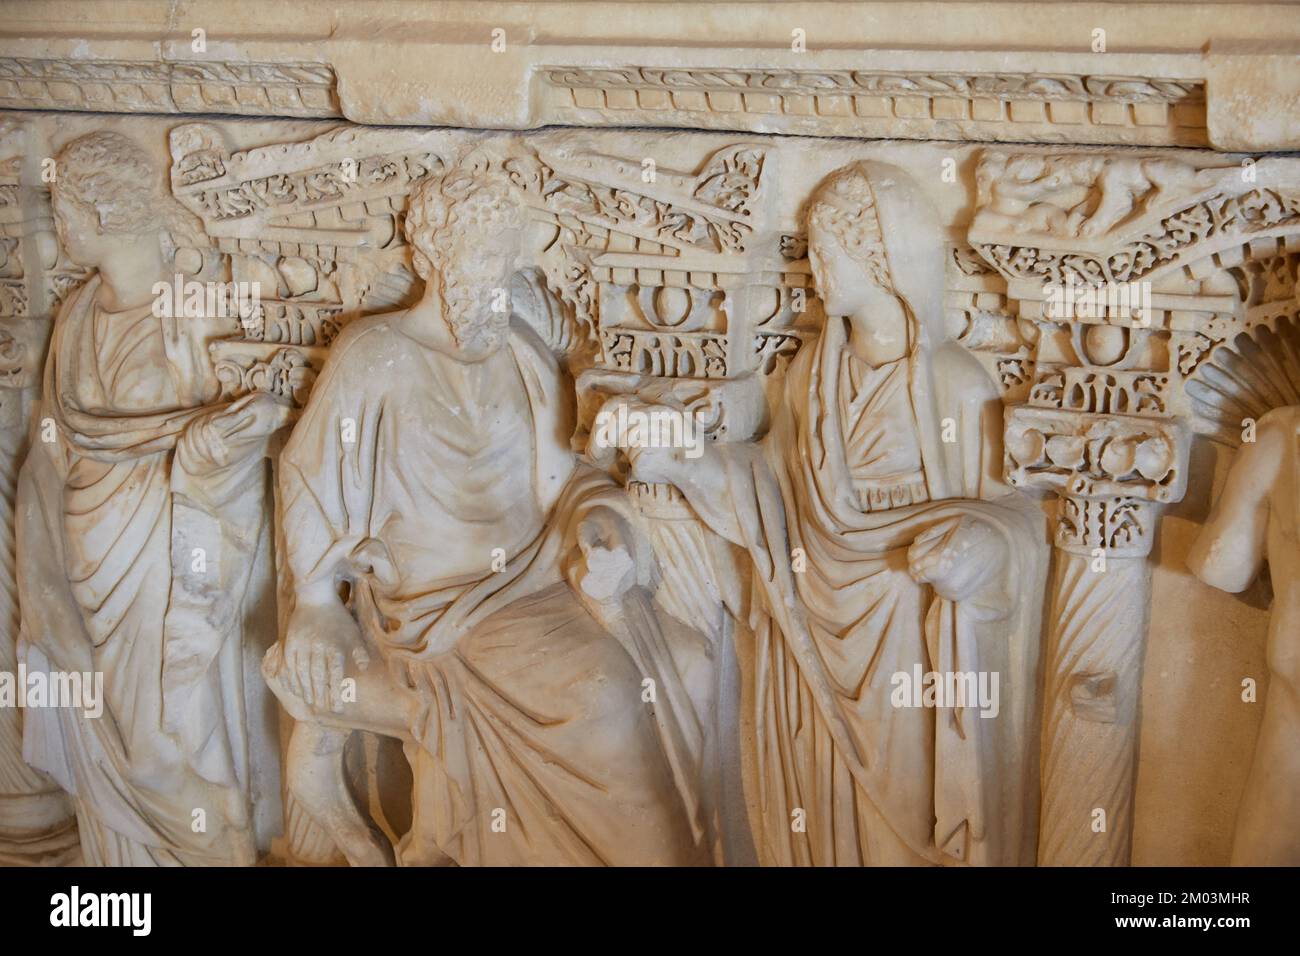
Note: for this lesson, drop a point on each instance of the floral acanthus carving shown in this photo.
(1245, 215)
(1105, 392)
(674, 355)
(1093, 219)
(728, 184)
(13, 358)
(1118, 525)
(325, 184)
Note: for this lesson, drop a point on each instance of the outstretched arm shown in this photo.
(698, 468)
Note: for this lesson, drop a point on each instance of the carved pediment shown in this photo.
(674, 273)
(1101, 218)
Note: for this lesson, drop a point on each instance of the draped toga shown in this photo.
(827, 507)
(144, 556)
(447, 494)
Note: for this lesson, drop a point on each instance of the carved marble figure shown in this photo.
(1256, 521)
(873, 556)
(494, 433)
(144, 533)
(463, 583)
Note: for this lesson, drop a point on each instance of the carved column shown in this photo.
(1110, 471)
(1095, 647)
(1120, 292)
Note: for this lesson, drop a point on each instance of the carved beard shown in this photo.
(477, 329)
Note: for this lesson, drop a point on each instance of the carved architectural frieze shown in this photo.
(1073, 72)
(194, 86)
(978, 106)
(503, 435)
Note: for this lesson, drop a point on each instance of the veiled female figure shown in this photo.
(875, 562)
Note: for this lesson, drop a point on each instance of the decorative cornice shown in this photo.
(210, 86)
(1074, 71)
(979, 106)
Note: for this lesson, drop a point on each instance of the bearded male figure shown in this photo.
(435, 515)
(144, 544)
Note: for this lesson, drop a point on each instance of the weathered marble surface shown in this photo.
(1155, 73)
(387, 575)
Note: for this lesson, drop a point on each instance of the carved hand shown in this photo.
(657, 465)
(957, 557)
(310, 660)
(254, 417)
(621, 426)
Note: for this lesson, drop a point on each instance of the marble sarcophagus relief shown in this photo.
(784, 458)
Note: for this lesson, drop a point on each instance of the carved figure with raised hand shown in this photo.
(144, 538)
(464, 585)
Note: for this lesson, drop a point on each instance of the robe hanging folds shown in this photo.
(877, 784)
(530, 742)
(827, 505)
(145, 558)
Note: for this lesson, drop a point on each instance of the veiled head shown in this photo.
(876, 247)
(845, 246)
